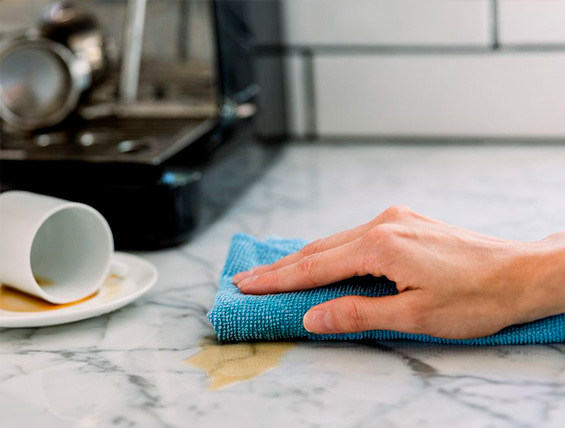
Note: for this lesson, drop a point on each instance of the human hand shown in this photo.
(452, 283)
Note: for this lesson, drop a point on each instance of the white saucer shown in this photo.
(114, 294)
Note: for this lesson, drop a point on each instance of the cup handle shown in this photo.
(119, 269)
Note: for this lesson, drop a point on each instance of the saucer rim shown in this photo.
(71, 314)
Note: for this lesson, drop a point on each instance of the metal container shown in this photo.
(41, 81)
(44, 72)
(78, 30)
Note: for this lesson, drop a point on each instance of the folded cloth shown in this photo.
(239, 317)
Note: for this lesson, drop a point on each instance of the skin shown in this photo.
(452, 283)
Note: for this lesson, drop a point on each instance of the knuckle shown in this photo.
(355, 318)
(312, 248)
(383, 246)
(397, 212)
(309, 266)
(383, 233)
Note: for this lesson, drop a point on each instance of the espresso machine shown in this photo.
(159, 145)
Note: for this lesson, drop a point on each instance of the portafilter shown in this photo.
(41, 81)
(44, 72)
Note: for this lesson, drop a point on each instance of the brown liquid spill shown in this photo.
(228, 364)
(16, 301)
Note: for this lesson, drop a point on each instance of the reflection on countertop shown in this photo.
(126, 368)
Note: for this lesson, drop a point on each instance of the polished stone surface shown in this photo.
(125, 369)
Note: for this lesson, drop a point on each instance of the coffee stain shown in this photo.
(16, 301)
(229, 364)
(112, 287)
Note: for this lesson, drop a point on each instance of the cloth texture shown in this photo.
(238, 317)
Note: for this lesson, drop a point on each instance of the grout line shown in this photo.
(494, 24)
(352, 50)
(422, 140)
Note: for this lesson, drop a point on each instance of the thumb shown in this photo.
(351, 314)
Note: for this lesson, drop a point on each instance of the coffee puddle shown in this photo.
(228, 364)
(15, 301)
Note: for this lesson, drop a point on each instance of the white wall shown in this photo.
(480, 95)
(530, 22)
(429, 68)
(387, 22)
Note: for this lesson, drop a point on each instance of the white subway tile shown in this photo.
(532, 21)
(473, 95)
(387, 22)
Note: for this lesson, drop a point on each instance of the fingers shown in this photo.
(312, 271)
(394, 214)
(353, 314)
(312, 248)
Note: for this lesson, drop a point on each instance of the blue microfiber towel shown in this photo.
(239, 317)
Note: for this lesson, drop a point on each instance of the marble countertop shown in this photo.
(126, 369)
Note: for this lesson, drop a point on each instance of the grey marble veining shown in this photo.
(124, 369)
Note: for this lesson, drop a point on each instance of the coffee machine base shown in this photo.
(150, 207)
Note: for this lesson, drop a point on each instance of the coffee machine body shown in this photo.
(160, 146)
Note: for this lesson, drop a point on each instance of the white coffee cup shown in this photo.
(56, 250)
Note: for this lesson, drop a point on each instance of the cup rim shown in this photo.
(96, 284)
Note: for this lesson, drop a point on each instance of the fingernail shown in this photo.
(318, 321)
(247, 282)
(242, 275)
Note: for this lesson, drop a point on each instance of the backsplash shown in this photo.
(413, 68)
(377, 68)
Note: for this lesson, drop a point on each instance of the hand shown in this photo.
(452, 283)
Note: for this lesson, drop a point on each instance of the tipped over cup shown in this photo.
(56, 250)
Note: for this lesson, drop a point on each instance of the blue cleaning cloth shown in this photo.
(238, 317)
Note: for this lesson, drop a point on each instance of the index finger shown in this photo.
(313, 271)
(390, 215)
(311, 248)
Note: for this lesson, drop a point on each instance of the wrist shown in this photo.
(542, 267)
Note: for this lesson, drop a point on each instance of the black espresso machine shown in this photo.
(160, 145)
